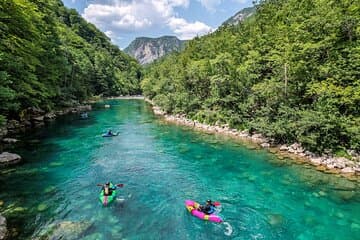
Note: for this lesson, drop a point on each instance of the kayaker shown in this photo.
(208, 208)
(107, 189)
(110, 133)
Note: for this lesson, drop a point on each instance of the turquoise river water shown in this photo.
(161, 165)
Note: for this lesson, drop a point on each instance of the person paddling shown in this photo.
(107, 189)
(208, 208)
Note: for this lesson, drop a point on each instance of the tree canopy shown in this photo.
(290, 72)
(50, 56)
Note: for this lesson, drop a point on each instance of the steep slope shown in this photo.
(51, 57)
(240, 16)
(146, 50)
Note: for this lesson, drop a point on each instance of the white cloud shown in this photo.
(185, 30)
(210, 5)
(125, 16)
(241, 1)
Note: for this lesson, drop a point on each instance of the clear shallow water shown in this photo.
(161, 165)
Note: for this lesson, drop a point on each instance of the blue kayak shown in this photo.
(110, 135)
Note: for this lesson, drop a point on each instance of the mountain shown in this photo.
(240, 16)
(146, 50)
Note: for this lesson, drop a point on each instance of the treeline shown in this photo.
(290, 72)
(51, 57)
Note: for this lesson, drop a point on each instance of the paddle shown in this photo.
(118, 185)
(216, 204)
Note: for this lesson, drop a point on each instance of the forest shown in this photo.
(50, 58)
(290, 72)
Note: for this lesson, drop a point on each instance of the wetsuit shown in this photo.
(110, 190)
(208, 208)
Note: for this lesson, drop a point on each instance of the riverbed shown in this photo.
(161, 165)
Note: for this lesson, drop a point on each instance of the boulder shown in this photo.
(316, 161)
(9, 159)
(284, 148)
(348, 170)
(14, 126)
(3, 132)
(3, 229)
(60, 112)
(10, 140)
(27, 123)
(38, 119)
(295, 146)
(84, 108)
(34, 111)
(265, 145)
(50, 116)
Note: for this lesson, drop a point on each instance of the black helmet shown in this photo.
(108, 183)
(208, 201)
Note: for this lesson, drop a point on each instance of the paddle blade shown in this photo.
(217, 204)
(120, 185)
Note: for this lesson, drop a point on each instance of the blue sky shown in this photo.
(124, 20)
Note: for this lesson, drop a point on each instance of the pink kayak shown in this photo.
(192, 208)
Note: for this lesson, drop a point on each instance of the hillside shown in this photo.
(240, 16)
(290, 72)
(146, 50)
(51, 57)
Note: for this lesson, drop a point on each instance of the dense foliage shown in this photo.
(291, 72)
(50, 56)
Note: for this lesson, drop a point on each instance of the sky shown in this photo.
(124, 20)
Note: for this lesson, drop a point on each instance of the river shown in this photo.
(161, 165)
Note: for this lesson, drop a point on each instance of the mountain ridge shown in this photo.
(147, 49)
(240, 16)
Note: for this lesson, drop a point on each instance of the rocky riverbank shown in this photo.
(327, 163)
(30, 118)
(35, 117)
(3, 229)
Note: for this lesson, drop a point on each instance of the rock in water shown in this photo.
(10, 140)
(275, 219)
(3, 229)
(64, 230)
(9, 159)
(42, 207)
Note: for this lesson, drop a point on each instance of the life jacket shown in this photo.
(106, 191)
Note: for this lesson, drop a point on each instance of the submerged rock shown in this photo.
(42, 207)
(64, 230)
(275, 219)
(9, 159)
(346, 195)
(3, 229)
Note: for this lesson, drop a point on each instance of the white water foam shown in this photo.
(228, 229)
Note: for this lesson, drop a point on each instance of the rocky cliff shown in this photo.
(240, 16)
(146, 50)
